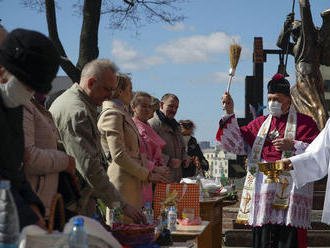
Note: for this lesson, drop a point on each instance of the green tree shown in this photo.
(122, 14)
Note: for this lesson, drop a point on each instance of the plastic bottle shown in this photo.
(78, 237)
(172, 218)
(9, 222)
(148, 213)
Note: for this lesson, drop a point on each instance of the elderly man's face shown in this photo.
(281, 98)
(103, 89)
(169, 107)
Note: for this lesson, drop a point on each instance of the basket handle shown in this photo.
(57, 204)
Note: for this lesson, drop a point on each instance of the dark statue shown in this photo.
(311, 48)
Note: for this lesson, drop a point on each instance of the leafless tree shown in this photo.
(122, 14)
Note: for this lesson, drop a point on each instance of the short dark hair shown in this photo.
(137, 97)
(169, 95)
(155, 103)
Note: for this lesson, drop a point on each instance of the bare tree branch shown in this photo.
(66, 64)
(89, 32)
(122, 14)
(141, 11)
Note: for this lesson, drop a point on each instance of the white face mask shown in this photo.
(14, 93)
(275, 108)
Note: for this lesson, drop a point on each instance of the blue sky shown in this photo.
(189, 59)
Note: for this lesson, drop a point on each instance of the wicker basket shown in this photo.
(127, 235)
(57, 216)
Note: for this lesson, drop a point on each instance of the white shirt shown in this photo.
(313, 165)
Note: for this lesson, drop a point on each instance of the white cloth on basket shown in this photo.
(34, 237)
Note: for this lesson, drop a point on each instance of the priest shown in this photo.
(312, 165)
(279, 213)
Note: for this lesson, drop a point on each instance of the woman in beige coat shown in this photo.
(44, 161)
(121, 143)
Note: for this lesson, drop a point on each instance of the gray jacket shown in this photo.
(75, 116)
(174, 148)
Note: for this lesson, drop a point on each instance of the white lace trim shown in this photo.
(298, 214)
(231, 138)
(300, 146)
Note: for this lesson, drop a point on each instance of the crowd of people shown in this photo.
(118, 153)
(97, 141)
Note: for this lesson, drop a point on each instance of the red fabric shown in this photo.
(306, 131)
(220, 130)
(302, 238)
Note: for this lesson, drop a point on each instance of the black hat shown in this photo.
(279, 84)
(31, 57)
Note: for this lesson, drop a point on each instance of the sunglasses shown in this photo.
(186, 125)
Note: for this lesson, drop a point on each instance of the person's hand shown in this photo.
(175, 162)
(187, 162)
(71, 169)
(136, 215)
(164, 170)
(289, 20)
(196, 162)
(41, 222)
(158, 178)
(287, 165)
(227, 103)
(283, 144)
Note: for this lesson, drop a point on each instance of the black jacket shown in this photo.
(194, 150)
(11, 163)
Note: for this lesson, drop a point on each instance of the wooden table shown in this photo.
(211, 210)
(201, 234)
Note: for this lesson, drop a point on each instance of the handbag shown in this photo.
(69, 190)
(187, 196)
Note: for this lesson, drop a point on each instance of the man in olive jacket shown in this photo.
(75, 115)
(174, 152)
(28, 63)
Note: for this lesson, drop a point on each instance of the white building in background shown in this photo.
(218, 160)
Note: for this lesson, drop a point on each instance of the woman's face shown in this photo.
(143, 109)
(126, 94)
(186, 130)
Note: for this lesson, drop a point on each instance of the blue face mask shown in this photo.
(14, 93)
(275, 108)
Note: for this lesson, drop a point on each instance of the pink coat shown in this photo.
(45, 161)
(151, 145)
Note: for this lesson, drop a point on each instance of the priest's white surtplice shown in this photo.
(313, 165)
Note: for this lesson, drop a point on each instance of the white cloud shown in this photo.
(130, 59)
(178, 27)
(217, 77)
(199, 48)
(223, 77)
